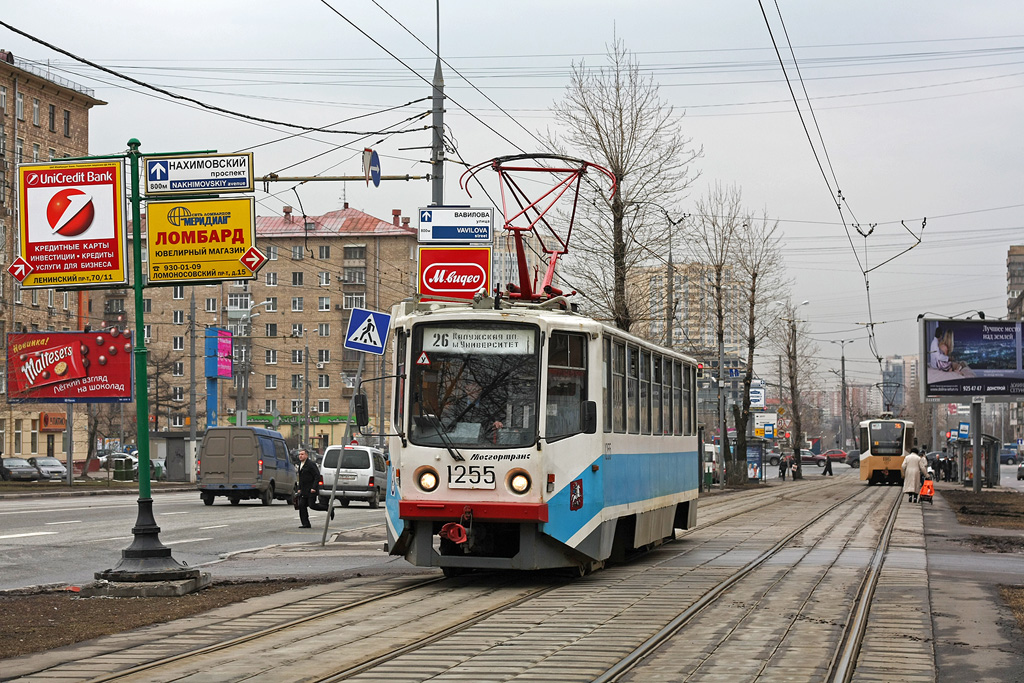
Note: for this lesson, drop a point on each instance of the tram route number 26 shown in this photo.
(471, 476)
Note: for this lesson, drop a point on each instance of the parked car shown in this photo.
(808, 457)
(835, 454)
(244, 462)
(362, 475)
(48, 468)
(772, 457)
(1008, 455)
(853, 458)
(17, 469)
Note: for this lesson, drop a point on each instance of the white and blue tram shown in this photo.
(528, 436)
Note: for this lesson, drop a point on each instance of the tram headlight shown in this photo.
(519, 482)
(427, 479)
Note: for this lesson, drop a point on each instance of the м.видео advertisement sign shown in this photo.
(70, 367)
(964, 358)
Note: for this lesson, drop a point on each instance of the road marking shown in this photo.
(70, 521)
(167, 514)
(33, 533)
(114, 538)
(187, 540)
(217, 526)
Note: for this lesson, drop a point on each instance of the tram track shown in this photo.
(437, 640)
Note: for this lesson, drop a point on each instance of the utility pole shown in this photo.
(842, 379)
(437, 122)
(190, 466)
(305, 402)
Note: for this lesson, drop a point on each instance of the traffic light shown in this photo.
(700, 371)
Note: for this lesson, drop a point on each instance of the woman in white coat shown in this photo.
(913, 469)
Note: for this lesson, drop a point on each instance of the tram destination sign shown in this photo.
(72, 225)
(202, 240)
(198, 174)
(971, 359)
(455, 224)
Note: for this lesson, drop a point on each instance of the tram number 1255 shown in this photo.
(471, 476)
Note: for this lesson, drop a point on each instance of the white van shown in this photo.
(362, 474)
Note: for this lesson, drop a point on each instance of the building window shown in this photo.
(355, 300)
(238, 301)
(323, 406)
(297, 304)
(35, 151)
(211, 305)
(53, 118)
(178, 292)
(271, 357)
(323, 303)
(49, 298)
(271, 279)
(270, 405)
(147, 332)
(17, 293)
(3, 98)
(323, 381)
(19, 106)
(35, 112)
(296, 355)
(67, 123)
(296, 406)
(271, 302)
(355, 253)
(178, 369)
(65, 302)
(324, 329)
(271, 329)
(298, 329)
(297, 279)
(178, 343)
(324, 278)
(178, 420)
(35, 297)
(296, 381)
(325, 251)
(355, 276)
(19, 150)
(323, 356)
(52, 153)
(147, 305)
(272, 253)
(270, 382)
(17, 436)
(178, 393)
(179, 317)
(297, 252)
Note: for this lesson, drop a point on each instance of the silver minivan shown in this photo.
(362, 474)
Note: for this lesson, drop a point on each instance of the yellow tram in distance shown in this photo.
(884, 443)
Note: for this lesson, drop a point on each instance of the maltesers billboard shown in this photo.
(70, 367)
(968, 358)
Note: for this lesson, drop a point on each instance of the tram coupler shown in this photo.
(454, 532)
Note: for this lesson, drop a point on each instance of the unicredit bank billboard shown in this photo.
(968, 358)
(454, 272)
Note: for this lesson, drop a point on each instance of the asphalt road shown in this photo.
(66, 539)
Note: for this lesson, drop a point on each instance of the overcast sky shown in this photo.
(918, 103)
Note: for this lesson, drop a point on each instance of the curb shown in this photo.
(101, 492)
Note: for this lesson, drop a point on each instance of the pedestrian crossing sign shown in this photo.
(367, 331)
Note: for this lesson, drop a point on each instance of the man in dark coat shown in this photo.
(828, 467)
(309, 485)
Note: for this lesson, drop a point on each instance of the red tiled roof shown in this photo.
(341, 222)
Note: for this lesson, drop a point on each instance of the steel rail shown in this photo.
(644, 649)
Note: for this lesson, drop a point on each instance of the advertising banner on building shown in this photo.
(70, 367)
(967, 358)
(454, 272)
(219, 352)
(72, 225)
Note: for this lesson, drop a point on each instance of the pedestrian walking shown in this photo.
(913, 468)
(783, 466)
(828, 467)
(308, 493)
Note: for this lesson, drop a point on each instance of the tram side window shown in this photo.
(677, 397)
(666, 396)
(645, 392)
(633, 389)
(656, 414)
(606, 378)
(688, 395)
(399, 417)
(567, 384)
(619, 387)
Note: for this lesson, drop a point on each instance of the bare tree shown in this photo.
(713, 235)
(800, 353)
(614, 116)
(760, 270)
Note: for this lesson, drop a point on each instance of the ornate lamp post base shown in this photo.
(147, 559)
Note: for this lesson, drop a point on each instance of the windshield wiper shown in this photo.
(434, 421)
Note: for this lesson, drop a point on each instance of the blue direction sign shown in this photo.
(367, 331)
(198, 174)
(455, 224)
(375, 168)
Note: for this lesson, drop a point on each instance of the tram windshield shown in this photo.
(474, 385)
(886, 438)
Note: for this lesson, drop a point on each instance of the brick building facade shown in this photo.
(42, 117)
